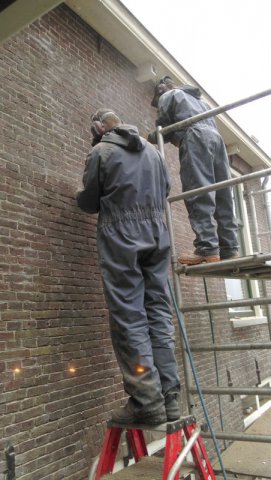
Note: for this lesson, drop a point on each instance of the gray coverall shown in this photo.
(203, 161)
(126, 181)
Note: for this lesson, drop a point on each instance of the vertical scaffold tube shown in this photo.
(257, 242)
(176, 282)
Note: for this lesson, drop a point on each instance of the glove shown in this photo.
(152, 137)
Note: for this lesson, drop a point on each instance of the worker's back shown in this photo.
(133, 181)
(179, 104)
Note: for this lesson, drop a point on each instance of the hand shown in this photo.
(152, 137)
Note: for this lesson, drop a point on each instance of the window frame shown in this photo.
(259, 409)
(256, 317)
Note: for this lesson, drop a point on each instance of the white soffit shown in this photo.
(21, 13)
(113, 21)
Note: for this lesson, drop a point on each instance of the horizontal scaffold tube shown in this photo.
(242, 437)
(220, 185)
(228, 304)
(231, 346)
(259, 192)
(234, 391)
(213, 112)
(222, 266)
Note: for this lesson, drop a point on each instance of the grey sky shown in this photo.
(224, 45)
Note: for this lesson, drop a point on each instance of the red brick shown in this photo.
(53, 311)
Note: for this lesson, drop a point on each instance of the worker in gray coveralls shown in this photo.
(126, 181)
(203, 161)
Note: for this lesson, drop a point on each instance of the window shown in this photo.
(254, 406)
(237, 289)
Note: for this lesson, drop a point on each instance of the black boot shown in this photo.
(127, 415)
(172, 406)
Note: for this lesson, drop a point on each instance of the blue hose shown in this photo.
(195, 375)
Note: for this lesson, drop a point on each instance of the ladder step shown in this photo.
(148, 468)
(168, 427)
(174, 455)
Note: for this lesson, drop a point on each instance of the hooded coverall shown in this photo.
(203, 161)
(126, 181)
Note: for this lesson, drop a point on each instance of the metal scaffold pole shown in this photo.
(251, 199)
(214, 111)
(189, 367)
(255, 266)
(187, 370)
(220, 185)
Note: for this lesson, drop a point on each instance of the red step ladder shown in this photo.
(173, 447)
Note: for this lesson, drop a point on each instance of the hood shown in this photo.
(127, 136)
(194, 91)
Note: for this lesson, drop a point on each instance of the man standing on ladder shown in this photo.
(126, 181)
(203, 161)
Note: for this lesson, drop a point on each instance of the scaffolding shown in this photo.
(256, 266)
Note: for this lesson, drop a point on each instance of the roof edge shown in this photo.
(112, 20)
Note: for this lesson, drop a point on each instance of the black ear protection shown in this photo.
(160, 88)
(97, 131)
(166, 80)
(97, 128)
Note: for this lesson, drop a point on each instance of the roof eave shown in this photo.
(113, 21)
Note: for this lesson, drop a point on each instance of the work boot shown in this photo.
(194, 259)
(234, 256)
(173, 410)
(126, 415)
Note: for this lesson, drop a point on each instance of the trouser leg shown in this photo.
(155, 268)
(226, 224)
(124, 290)
(196, 159)
(224, 213)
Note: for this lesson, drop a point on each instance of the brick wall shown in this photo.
(59, 375)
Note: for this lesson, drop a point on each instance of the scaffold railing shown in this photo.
(251, 266)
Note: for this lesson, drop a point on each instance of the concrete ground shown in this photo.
(250, 458)
(148, 468)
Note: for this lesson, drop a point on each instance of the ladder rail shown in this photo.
(174, 454)
(186, 449)
(93, 468)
